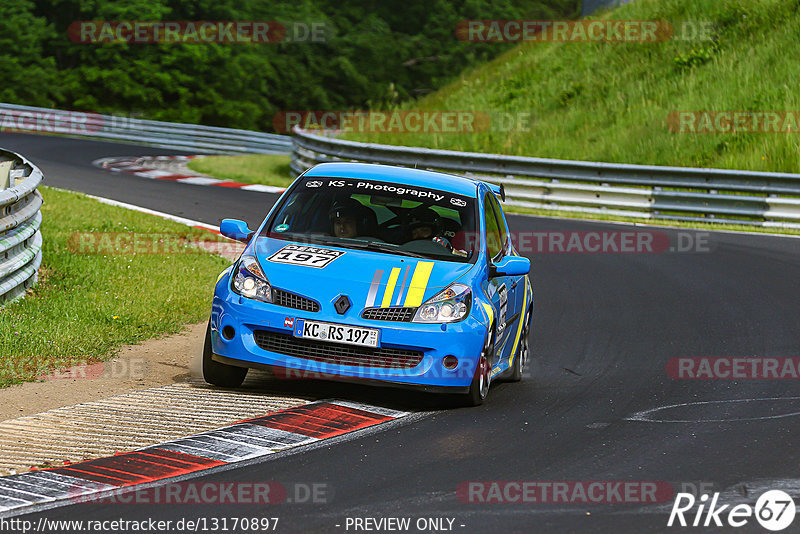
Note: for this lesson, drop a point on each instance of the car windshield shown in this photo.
(379, 216)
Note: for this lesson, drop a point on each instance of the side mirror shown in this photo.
(510, 266)
(236, 230)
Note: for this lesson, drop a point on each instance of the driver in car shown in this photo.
(344, 221)
(423, 223)
(350, 218)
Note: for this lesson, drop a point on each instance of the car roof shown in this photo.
(417, 177)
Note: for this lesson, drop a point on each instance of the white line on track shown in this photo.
(645, 415)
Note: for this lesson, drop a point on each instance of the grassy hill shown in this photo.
(606, 101)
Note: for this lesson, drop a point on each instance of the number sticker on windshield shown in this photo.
(305, 255)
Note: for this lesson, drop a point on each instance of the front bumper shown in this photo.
(463, 340)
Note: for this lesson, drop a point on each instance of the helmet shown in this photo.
(347, 207)
(423, 216)
(364, 217)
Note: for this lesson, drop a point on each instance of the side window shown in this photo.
(501, 222)
(494, 241)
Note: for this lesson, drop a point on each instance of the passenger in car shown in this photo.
(349, 218)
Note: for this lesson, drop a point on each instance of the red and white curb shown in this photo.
(246, 440)
(173, 169)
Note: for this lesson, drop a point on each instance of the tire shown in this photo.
(479, 388)
(522, 357)
(220, 374)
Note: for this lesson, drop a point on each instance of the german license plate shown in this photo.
(336, 333)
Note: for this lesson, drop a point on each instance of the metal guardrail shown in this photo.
(171, 135)
(641, 191)
(20, 220)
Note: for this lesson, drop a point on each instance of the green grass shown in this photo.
(266, 169)
(610, 101)
(86, 305)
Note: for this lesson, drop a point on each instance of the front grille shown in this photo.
(402, 315)
(290, 300)
(337, 353)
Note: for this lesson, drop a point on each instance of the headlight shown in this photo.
(448, 306)
(249, 280)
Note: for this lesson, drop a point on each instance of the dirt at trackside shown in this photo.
(155, 362)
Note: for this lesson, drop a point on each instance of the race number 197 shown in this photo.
(305, 255)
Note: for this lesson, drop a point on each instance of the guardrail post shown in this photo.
(5, 175)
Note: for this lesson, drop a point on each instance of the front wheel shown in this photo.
(220, 374)
(479, 388)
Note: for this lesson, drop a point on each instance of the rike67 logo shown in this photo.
(774, 510)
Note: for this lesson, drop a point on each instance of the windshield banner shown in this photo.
(372, 187)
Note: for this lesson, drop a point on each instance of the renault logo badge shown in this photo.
(342, 304)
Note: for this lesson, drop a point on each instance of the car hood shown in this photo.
(366, 277)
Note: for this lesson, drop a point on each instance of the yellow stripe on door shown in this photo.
(419, 283)
(387, 296)
(521, 321)
(489, 312)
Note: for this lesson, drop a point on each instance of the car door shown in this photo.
(498, 287)
(516, 288)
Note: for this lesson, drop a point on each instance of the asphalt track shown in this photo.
(605, 327)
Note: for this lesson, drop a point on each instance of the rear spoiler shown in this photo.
(498, 190)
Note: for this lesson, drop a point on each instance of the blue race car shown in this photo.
(375, 273)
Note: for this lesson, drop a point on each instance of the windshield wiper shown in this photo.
(302, 238)
(383, 247)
